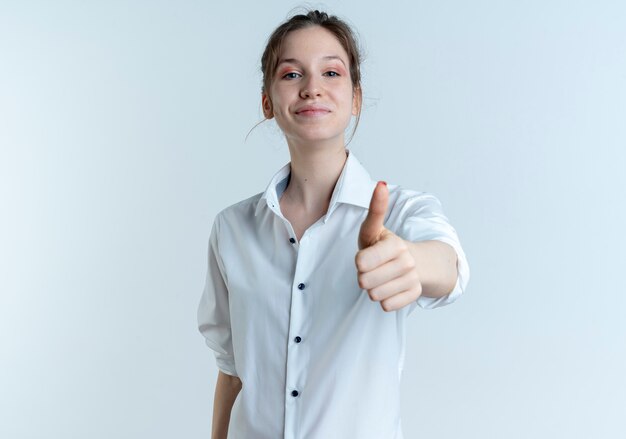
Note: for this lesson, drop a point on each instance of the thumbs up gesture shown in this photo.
(386, 268)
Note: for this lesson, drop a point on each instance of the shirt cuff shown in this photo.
(226, 364)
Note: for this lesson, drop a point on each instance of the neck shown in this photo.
(314, 174)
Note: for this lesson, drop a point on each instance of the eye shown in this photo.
(285, 76)
(335, 74)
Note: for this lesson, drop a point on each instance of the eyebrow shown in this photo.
(295, 61)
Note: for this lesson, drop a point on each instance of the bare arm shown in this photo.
(436, 263)
(226, 390)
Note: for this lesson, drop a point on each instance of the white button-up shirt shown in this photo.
(317, 357)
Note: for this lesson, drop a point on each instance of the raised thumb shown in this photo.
(373, 225)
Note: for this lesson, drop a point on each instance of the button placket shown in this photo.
(298, 354)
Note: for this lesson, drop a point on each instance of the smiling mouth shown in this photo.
(312, 113)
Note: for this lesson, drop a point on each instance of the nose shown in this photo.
(310, 88)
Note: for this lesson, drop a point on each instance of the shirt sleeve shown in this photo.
(423, 220)
(214, 310)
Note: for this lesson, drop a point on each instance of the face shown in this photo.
(311, 93)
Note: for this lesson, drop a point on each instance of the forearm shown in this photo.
(436, 264)
(226, 391)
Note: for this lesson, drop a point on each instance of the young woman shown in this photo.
(310, 282)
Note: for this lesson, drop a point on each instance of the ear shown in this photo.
(356, 101)
(266, 103)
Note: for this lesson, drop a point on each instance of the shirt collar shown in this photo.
(355, 186)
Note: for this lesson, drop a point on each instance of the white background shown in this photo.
(122, 127)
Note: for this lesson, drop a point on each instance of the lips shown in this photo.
(312, 110)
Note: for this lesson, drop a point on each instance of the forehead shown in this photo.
(312, 42)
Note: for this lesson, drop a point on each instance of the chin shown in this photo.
(317, 137)
(319, 132)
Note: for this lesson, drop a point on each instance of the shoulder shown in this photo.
(241, 210)
(403, 200)
(418, 216)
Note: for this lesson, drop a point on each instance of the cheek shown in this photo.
(277, 98)
(347, 98)
(279, 111)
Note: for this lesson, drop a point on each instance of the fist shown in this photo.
(385, 266)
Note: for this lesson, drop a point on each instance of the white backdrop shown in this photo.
(122, 127)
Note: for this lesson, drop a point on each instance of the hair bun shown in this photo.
(319, 15)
